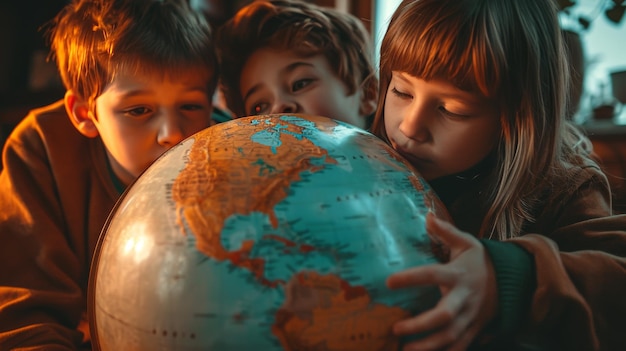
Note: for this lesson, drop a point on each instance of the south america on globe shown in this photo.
(270, 232)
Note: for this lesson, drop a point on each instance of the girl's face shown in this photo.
(283, 82)
(438, 127)
(140, 116)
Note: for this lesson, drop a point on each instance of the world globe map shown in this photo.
(273, 232)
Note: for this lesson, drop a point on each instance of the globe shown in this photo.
(270, 232)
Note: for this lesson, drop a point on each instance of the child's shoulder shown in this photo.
(53, 108)
(46, 134)
(582, 181)
(40, 121)
(582, 169)
(45, 123)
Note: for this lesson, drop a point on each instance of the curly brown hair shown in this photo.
(303, 28)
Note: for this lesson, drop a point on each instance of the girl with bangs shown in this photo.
(473, 94)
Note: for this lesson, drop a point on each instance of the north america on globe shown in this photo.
(272, 232)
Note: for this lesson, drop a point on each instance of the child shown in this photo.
(473, 95)
(295, 57)
(140, 76)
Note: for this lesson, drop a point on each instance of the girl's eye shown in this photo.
(300, 84)
(137, 111)
(451, 114)
(400, 94)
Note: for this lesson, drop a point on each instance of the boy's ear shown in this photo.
(78, 111)
(368, 106)
(369, 98)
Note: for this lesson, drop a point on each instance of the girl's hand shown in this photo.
(468, 288)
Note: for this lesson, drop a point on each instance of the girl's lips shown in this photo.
(410, 156)
(423, 166)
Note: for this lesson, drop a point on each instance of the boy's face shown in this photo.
(140, 116)
(283, 82)
(439, 128)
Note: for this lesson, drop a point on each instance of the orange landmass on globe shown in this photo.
(205, 197)
(324, 312)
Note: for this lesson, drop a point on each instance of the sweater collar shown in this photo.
(450, 187)
(116, 181)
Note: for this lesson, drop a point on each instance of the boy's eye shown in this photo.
(259, 108)
(137, 111)
(400, 94)
(300, 84)
(192, 107)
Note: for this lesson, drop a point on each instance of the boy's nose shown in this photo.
(285, 106)
(170, 131)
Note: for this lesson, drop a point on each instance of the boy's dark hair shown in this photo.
(93, 40)
(300, 27)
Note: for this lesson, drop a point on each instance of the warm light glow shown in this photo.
(138, 243)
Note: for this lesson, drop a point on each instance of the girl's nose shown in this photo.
(416, 123)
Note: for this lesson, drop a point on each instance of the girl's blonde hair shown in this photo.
(93, 40)
(511, 52)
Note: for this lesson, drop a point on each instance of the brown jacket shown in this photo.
(56, 192)
(578, 249)
(55, 195)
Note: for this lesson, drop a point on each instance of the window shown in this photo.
(383, 9)
(604, 53)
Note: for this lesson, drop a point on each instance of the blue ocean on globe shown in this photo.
(272, 232)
